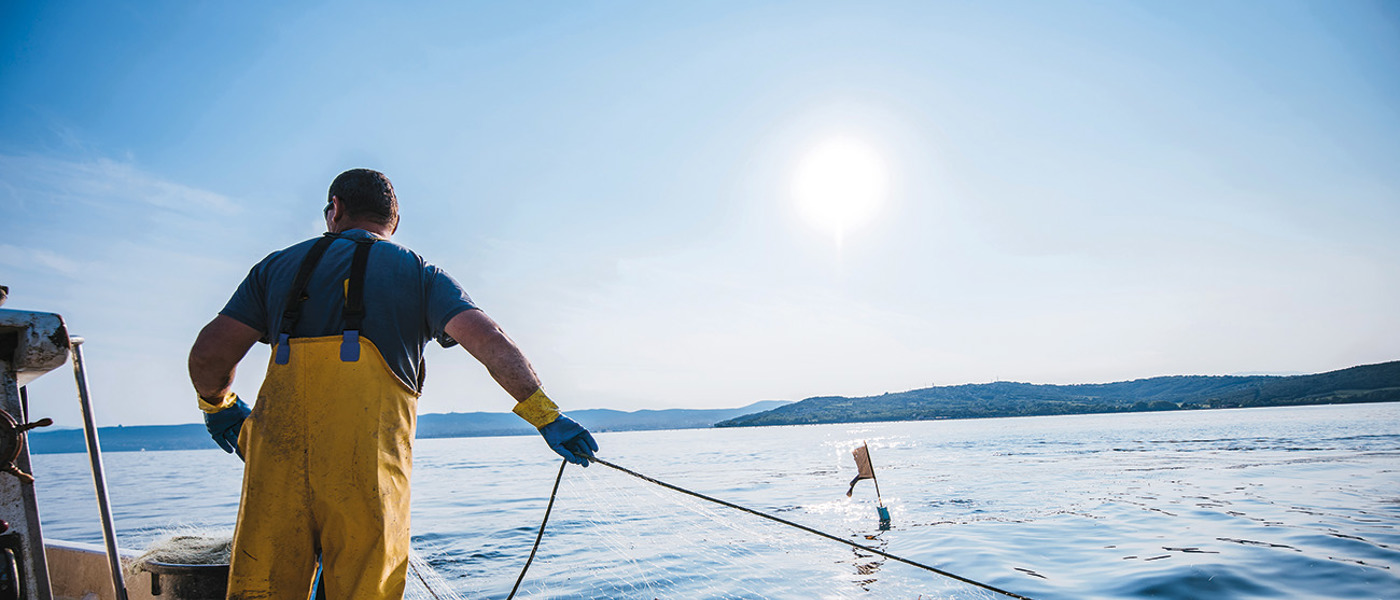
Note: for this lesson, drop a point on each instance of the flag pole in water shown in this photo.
(865, 470)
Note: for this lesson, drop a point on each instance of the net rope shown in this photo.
(621, 534)
(617, 533)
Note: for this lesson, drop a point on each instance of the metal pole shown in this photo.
(99, 480)
(873, 478)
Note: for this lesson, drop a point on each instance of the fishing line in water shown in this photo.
(616, 536)
(612, 536)
(425, 582)
(812, 531)
(539, 536)
(857, 548)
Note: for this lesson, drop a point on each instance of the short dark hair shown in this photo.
(366, 194)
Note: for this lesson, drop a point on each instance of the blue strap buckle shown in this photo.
(284, 349)
(350, 346)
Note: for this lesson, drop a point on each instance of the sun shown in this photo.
(839, 185)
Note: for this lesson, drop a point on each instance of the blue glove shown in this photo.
(569, 440)
(224, 426)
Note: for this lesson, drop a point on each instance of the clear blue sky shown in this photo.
(1076, 191)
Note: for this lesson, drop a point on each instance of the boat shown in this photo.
(33, 567)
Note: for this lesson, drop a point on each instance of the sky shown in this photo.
(1046, 192)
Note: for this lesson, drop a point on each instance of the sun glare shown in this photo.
(839, 185)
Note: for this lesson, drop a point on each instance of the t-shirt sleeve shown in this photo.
(446, 299)
(247, 305)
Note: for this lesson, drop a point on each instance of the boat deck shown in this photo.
(79, 571)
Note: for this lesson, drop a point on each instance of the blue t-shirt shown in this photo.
(408, 302)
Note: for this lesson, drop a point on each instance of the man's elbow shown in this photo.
(474, 330)
(200, 359)
(219, 347)
(204, 359)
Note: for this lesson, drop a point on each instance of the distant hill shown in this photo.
(476, 424)
(121, 439)
(1369, 383)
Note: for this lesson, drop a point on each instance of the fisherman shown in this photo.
(328, 444)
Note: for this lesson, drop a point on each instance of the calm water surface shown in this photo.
(1256, 503)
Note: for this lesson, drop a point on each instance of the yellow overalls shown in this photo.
(329, 454)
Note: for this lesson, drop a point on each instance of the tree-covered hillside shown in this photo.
(1370, 383)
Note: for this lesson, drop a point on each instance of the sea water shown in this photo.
(1298, 502)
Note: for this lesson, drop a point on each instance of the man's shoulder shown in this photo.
(399, 248)
(294, 251)
(403, 258)
(380, 243)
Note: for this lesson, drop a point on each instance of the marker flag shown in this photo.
(863, 468)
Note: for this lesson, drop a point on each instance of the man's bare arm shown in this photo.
(215, 355)
(483, 338)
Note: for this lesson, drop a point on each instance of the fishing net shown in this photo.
(612, 535)
(190, 545)
(186, 546)
(424, 583)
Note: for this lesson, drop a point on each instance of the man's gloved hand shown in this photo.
(564, 436)
(569, 440)
(224, 424)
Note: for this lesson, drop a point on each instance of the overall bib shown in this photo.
(329, 454)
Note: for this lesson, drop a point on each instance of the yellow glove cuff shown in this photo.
(537, 410)
(215, 406)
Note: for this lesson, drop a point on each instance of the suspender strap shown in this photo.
(355, 302)
(291, 313)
